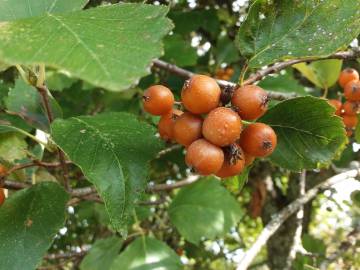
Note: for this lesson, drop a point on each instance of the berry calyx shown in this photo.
(200, 94)
(166, 124)
(337, 105)
(234, 162)
(351, 107)
(352, 91)
(250, 101)
(222, 126)
(187, 128)
(204, 157)
(347, 75)
(258, 140)
(158, 100)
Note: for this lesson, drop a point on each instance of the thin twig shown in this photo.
(44, 93)
(279, 218)
(166, 187)
(260, 74)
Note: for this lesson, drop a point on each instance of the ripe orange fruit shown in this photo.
(200, 94)
(350, 121)
(337, 105)
(2, 196)
(351, 107)
(347, 75)
(158, 100)
(258, 140)
(250, 101)
(222, 126)
(204, 157)
(3, 170)
(187, 128)
(166, 124)
(352, 91)
(233, 164)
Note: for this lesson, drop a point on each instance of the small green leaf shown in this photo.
(278, 30)
(308, 132)
(323, 74)
(18, 9)
(25, 101)
(226, 52)
(313, 245)
(283, 82)
(12, 146)
(179, 51)
(113, 151)
(29, 220)
(204, 209)
(147, 254)
(102, 254)
(110, 46)
(236, 183)
(57, 81)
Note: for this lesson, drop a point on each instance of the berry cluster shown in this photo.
(208, 130)
(349, 81)
(224, 74)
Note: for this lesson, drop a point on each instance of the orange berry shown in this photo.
(258, 140)
(337, 105)
(200, 94)
(352, 91)
(187, 128)
(347, 75)
(351, 107)
(204, 157)
(248, 159)
(234, 162)
(166, 124)
(3, 170)
(222, 126)
(2, 196)
(158, 100)
(350, 121)
(250, 101)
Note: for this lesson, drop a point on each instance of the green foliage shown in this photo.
(102, 254)
(309, 134)
(147, 254)
(323, 74)
(179, 51)
(12, 146)
(204, 209)
(287, 29)
(283, 82)
(118, 148)
(17, 9)
(29, 220)
(67, 42)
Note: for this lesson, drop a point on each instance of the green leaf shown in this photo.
(113, 151)
(110, 46)
(102, 254)
(29, 220)
(147, 254)
(12, 147)
(179, 51)
(323, 74)
(57, 81)
(204, 209)
(283, 82)
(18, 9)
(308, 132)
(313, 245)
(355, 197)
(226, 52)
(24, 100)
(236, 183)
(287, 29)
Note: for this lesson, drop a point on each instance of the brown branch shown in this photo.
(166, 187)
(44, 93)
(35, 163)
(279, 218)
(346, 55)
(66, 255)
